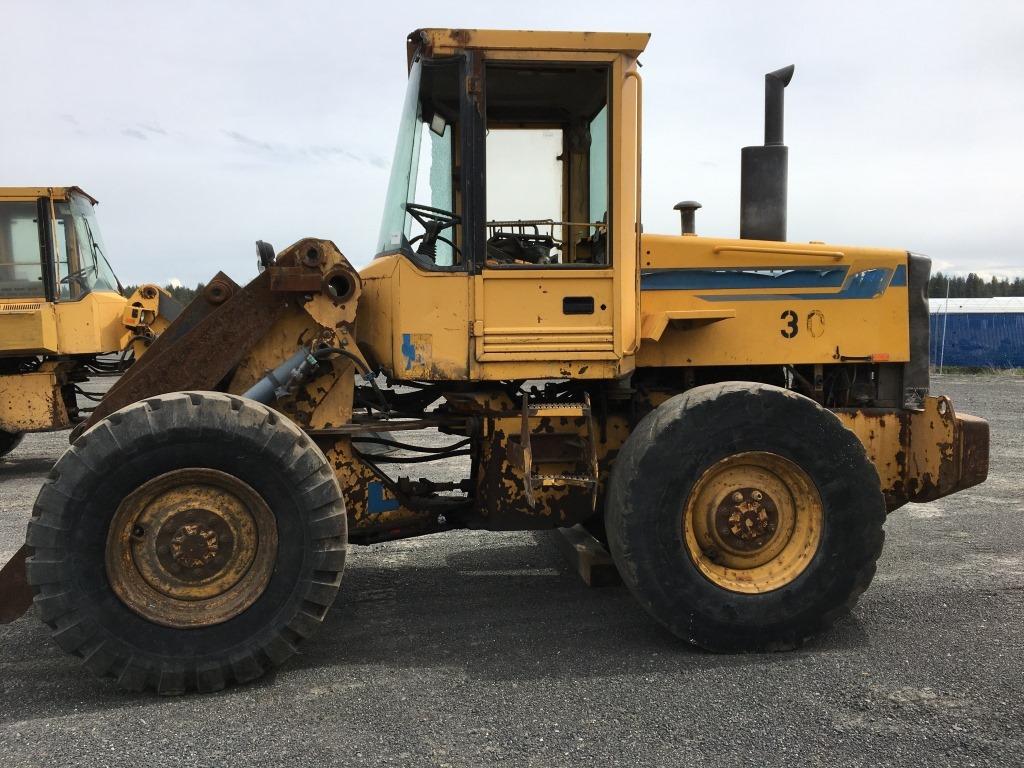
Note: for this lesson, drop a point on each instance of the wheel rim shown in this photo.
(753, 522)
(191, 548)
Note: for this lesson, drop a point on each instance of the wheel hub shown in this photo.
(752, 522)
(747, 518)
(191, 548)
(194, 546)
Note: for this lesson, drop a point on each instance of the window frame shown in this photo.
(524, 62)
(44, 243)
(465, 193)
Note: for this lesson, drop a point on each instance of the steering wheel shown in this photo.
(79, 275)
(434, 221)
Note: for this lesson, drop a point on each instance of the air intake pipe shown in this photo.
(765, 169)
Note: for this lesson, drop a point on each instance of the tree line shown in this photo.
(973, 286)
(181, 293)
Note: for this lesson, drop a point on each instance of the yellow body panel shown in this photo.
(32, 402)
(687, 324)
(92, 325)
(28, 326)
(417, 321)
(420, 323)
(519, 316)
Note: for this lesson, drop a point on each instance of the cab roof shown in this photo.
(57, 193)
(446, 42)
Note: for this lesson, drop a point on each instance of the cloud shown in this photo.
(248, 141)
(335, 151)
(299, 153)
(322, 152)
(134, 133)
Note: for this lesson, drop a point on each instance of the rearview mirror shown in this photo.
(438, 124)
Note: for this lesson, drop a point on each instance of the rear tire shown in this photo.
(744, 517)
(259, 525)
(9, 441)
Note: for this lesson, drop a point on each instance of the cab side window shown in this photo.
(547, 165)
(21, 271)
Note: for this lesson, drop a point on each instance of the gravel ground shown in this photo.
(471, 649)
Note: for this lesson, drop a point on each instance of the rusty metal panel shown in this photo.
(295, 279)
(15, 594)
(33, 402)
(923, 455)
(502, 499)
(588, 556)
(375, 513)
(215, 293)
(201, 356)
(972, 453)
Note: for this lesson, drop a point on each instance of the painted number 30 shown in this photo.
(792, 324)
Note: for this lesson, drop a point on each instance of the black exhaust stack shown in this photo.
(765, 169)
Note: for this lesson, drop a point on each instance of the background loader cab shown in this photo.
(61, 308)
(502, 200)
(50, 246)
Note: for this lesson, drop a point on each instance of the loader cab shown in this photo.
(58, 293)
(51, 248)
(545, 166)
(516, 177)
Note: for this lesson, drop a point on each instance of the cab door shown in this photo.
(555, 293)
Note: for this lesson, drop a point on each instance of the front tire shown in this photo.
(187, 541)
(9, 441)
(744, 517)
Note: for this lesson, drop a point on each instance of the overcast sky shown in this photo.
(204, 126)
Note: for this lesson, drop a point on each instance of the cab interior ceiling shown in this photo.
(520, 93)
(527, 93)
(439, 89)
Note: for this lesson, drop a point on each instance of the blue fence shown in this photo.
(984, 339)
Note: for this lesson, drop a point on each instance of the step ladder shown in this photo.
(537, 447)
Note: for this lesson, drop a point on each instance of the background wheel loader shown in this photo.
(735, 417)
(62, 310)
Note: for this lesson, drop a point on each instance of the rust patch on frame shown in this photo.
(923, 455)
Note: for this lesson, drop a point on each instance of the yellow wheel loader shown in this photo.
(734, 417)
(62, 311)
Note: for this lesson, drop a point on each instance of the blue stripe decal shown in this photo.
(867, 284)
(745, 277)
(375, 501)
(408, 350)
(899, 277)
